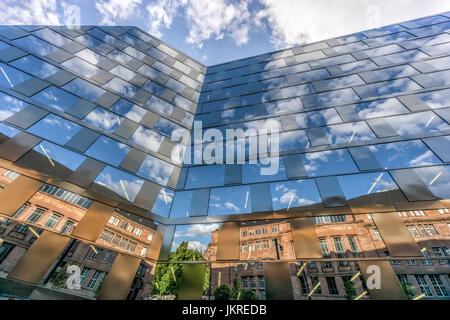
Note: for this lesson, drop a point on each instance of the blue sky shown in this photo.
(215, 31)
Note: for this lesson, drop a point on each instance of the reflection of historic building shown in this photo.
(345, 236)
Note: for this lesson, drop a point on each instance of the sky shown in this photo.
(216, 31)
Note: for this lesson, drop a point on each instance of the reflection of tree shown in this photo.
(60, 278)
(349, 289)
(163, 282)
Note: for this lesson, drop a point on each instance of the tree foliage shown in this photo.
(350, 292)
(163, 282)
(222, 292)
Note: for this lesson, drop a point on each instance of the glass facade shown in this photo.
(91, 118)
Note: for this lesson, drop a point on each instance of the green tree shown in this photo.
(222, 292)
(408, 289)
(60, 278)
(163, 282)
(349, 289)
(236, 287)
(247, 294)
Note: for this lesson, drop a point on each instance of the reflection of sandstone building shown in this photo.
(349, 236)
(60, 211)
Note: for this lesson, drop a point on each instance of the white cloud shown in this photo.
(217, 19)
(297, 22)
(113, 10)
(161, 14)
(29, 12)
(204, 19)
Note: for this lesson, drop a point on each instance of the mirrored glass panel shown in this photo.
(147, 138)
(230, 200)
(55, 129)
(10, 105)
(108, 150)
(35, 66)
(403, 154)
(155, 170)
(328, 162)
(294, 194)
(123, 184)
(129, 110)
(56, 98)
(103, 119)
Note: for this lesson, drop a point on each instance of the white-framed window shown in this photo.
(443, 211)
(137, 231)
(37, 213)
(423, 285)
(150, 237)
(68, 226)
(52, 221)
(413, 231)
(94, 280)
(438, 285)
(114, 221)
(144, 251)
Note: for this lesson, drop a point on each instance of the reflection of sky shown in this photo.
(167, 127)
(10, 77)
(156, 170)
(388, 87)
(335, 97)
(56, 98)
(108, 150)
(122, 87)
(120, 182)
(55, 129)
(389, 73)
(349, 132)
(291, 194)
(80, 66)
(122, 72)
(10, 105)
(160, 105)
(61, 155)
(417, 123)
(181, 204)
(205, 176)
(90, 56)
(8, 131)
(129, 110)
(357, 66)
(356, 185)
(163, 202)
(230, 200)
(198, 235)
(328, 162)
(317, 118)
(403, 154)
(252, 172)
(36, 45)
(52, 37)
(84, 89)
(372, 109)
(436, 99)
(147, 138)
(103, 119)
(293, 140)
(288, 105)
(437, 179)
(35, 66)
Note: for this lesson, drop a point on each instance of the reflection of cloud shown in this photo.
(9, 106)
(147, 138)
(197, 230)
(423, 159)
(231, 206)
(196, 245)
(156, 170)
(132, 187)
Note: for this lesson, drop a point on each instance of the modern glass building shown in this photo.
(96, 201)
